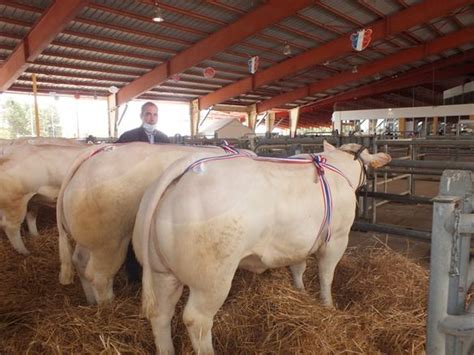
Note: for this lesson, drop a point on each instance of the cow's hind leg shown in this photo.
(31, 220)
(103, 266)
(167, 289)
(329, 256)
(80, 259)
(297, 270)
(198, 316)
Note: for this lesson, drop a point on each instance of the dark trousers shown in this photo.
(132, 267)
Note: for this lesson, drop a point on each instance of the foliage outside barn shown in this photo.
(17, 119)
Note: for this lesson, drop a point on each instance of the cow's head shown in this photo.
(373, 160)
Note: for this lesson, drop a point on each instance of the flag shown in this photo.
(253, 64)
(361, 39)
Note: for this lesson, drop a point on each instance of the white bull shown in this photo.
(31, 170)
(196, 228)
(97, 206)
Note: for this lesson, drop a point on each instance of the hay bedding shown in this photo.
(380, 297)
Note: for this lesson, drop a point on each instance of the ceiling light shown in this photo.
(157, 13)
(287, 49)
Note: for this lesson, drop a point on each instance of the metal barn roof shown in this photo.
(418, 49)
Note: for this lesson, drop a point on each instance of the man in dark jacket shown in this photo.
(147, 131)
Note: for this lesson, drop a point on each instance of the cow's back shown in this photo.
(102, 198)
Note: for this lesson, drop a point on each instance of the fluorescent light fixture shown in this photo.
(157, 13)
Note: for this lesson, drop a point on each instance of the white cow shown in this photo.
(31, 170)
(97, 206)
(196, 226)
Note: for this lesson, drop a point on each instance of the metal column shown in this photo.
(450, 328)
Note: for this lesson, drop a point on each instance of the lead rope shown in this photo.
(320, 162)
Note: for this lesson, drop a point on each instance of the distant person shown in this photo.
(147, 131)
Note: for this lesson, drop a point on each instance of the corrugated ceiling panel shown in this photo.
(386, 7)
(19, 14)
(290, 37)
(135, 24)
(219, 74)
(204, 9)
(216, 81)
(466, 17)
(467, 46)
(77, 72)
(36, 3)
(89, 55)
(124, 36)
(219, 65)
(353, 10)
(311, 28)
(323, 16)
(14, 29)
(231, 58)
(245, 5)
(187, 21)
(52, 60)
(424, 33)
(48, 79)
(8, 42)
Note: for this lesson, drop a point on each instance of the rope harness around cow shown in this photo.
(321, 165)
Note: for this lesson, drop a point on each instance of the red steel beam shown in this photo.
(134, 31)
(58, 15)
(272, 11)
(404, 81)
(400, 58)
(390, 26)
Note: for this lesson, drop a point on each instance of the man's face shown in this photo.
(150, 115)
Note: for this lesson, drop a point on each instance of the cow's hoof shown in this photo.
(66, 278)
(23, 251)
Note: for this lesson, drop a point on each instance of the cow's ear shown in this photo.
(328, 147)
(378, 160)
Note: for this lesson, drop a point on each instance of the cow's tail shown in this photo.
(66, 274)
(143, 224)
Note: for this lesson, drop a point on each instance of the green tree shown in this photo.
(18, 120)
(50, 122)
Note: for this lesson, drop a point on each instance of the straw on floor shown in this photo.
(380, 295)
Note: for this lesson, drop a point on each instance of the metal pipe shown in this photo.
(432, 164)
(411, 171)
(468, 143)
(422, 235)
(410, 199)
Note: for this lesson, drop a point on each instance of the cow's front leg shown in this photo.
(329, 255)
(297, 270)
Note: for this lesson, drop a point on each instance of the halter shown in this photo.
(363, 171)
